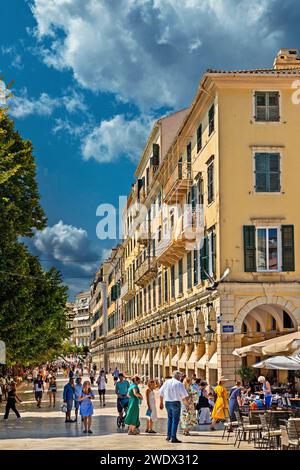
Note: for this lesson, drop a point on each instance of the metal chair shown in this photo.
(244, 429)
(293, 430)
(269, 438)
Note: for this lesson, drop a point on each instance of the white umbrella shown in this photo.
(279, 363)
(287, 344)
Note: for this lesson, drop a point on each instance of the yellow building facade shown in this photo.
(218, 187)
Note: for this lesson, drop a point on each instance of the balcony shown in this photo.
(146, 272)
(181, 240)
(178, 183)
(127, 291)
(142, 236)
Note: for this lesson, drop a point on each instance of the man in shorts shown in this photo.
(68, 397)
(122, 387)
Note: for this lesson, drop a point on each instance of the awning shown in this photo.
(157, 357)
(192, 360)
(175, 360)
(213, 362)
(281, 344)
(201, 363)
(279, 363)
(183, 360)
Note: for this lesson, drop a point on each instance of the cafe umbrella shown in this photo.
(279, 363)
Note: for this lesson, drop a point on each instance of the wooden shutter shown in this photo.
(249, 248)
(214, 252)
(288, 255)
(204, 259)
(155, 151)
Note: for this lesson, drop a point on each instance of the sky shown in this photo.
(91, 76)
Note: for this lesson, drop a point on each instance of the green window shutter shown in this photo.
(249, 248)
(288, 255)
(213, 252)
(204, 259)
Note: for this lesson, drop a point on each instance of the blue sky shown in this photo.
(90, 76)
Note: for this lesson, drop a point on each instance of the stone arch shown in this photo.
(285, 304)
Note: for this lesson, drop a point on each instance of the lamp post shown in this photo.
(209, 332)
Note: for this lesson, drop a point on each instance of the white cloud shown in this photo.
(22, 105)
(115, 138)
(147, 51)
(16, 59)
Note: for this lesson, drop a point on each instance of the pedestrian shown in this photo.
(151, 412)
(266, 390)
(78, 393)
(101, 382)
(86, 406)
(71, 373)
(203, 406)
(12, 398)
(132, 416)
(52, 389)
(188, 417)
(173, 393)
(235, 400)
(220, 411)
(68, 398)
(121, 389)
(92, 376)
(115, 374)
(38, 388)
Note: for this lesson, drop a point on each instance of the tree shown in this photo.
(32, 301)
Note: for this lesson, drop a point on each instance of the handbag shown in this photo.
(64, 408)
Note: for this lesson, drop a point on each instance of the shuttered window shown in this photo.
(173, 282)
(199, 138)
(204, 258)
(287, 243)
(211, 120)
(267, 106)
(267, 172)
(189, 270)
(180, 276)
(166, 287)
(210, 182)
(195, 267)
(249, 248)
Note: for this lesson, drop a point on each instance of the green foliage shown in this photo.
(247, 374)
(32, 301)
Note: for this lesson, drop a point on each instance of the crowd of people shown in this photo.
(188, 401)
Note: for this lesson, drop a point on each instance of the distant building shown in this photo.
(70, 314)
(81, 323)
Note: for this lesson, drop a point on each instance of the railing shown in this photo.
(181, 174)
(146, 270)
(127, 291)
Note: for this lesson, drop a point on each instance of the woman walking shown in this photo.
(12, 398)
(86, 406)
(52, 389)
(132, 415)
(101, 382)
(220, 411)
(188, 417)
(151, 407)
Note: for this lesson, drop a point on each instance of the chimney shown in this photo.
(287, 59)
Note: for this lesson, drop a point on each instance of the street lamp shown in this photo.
(197, 335)
(187, 337)
(178, 339)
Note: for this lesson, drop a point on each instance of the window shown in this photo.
(180, 276)
(210, 182)
(189, 270)
(149, 297)
(200, 191)
(166, 297)
(189, 159)
(173, 282)
(154, 293)
(199, 138)
(267, 172)
(141, 302)
(211, 120)
(267, 249)
(267, 106)
(195, 270)
(145, 300)
(159, 234)
(159, 291)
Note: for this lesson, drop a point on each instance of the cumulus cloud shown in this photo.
(117, 137)
(22, 106)
(152, 52)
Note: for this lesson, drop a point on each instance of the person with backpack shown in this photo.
(203, 406)
(12, 398)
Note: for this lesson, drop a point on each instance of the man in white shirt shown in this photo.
(173, 392)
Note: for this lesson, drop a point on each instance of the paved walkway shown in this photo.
(45, 428)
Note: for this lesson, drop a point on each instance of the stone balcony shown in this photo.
(127, 291)
(146, 272)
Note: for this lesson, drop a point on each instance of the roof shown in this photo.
(287, 71)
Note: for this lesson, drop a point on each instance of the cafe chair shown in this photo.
(245, 429)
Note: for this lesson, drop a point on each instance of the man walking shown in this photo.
(38, 388)
(68, 397)
(173, 392)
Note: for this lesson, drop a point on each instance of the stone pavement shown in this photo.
(45, 428)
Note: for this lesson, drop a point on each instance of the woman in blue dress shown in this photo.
(86, 406)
